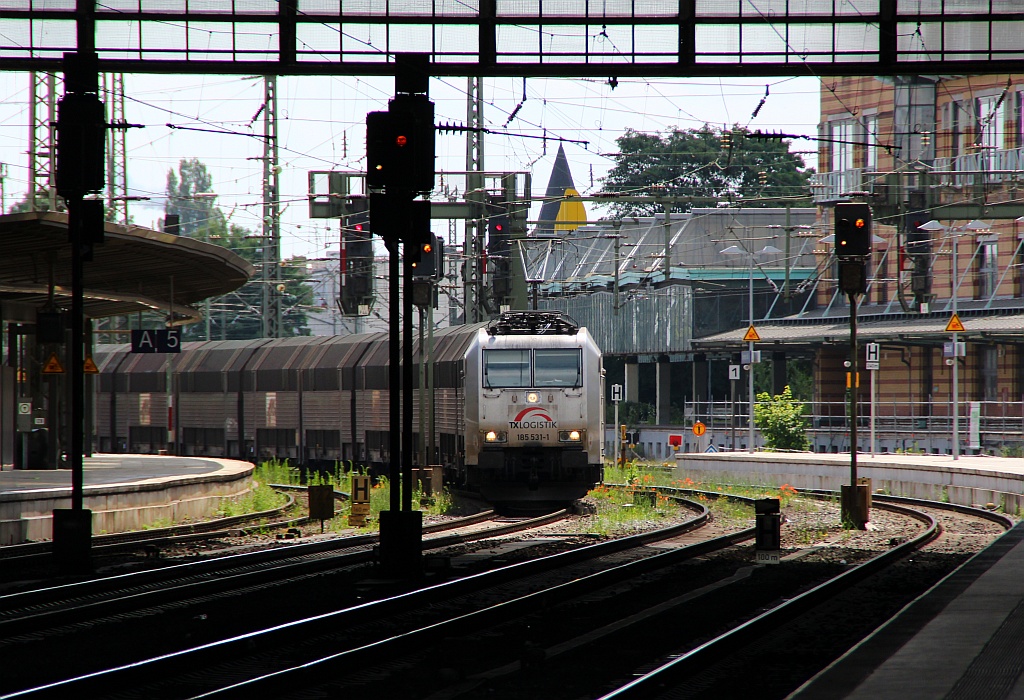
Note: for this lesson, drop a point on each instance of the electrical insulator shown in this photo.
(726, 140)
(762, 177)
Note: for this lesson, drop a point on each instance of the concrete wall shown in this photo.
(28, 515)
(996, 481)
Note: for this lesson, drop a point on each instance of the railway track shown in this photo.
(543, 631)
(192, 601)
(252, 653)
(19, 556)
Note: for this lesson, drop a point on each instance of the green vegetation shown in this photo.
(699, 163)
(617, 513)
(781, 421)
(191, 196)
(259, 499)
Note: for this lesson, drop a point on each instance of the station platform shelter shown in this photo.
(134, 271)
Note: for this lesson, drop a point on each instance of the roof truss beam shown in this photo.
(493, 37)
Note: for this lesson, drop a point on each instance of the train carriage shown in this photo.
(517, 403)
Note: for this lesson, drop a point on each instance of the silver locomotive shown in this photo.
(517, 404)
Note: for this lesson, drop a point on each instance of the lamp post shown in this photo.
(955, 232)
(737, 250)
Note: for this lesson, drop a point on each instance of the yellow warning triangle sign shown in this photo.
(53, 365)
(955, 325)
(89, 367)
(751, 336)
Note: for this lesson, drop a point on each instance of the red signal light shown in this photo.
(358, 227)
(499, 227)
(401, 140)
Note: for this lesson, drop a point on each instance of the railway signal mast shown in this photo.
(399, 171)
(853, 238)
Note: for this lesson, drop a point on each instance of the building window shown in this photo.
(988, 269)
(956, 128)
(988, 360)
(842, 137)
(881, 283)
(990, 127)
(1018, 121)
(870, 139)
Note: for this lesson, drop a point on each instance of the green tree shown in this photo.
(42, 203)
(697, 163)
(781, 420)
(190, 196)
(238, 314)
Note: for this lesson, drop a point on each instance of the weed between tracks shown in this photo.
(615, 509)
(278, 472)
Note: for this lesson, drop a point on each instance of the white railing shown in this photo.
(898, 425)
(995, 166)
(837, 185)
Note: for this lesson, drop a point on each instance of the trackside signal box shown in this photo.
(852, 229)
(768, 530)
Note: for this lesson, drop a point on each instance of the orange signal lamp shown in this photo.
(427, 247)
(859, 223)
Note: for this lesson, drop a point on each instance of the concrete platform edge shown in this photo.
(846, 674)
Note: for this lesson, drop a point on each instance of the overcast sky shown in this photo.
(322, 127)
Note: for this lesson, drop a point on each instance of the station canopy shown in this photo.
(135, 269)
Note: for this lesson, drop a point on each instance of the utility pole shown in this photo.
(117, 153)
(473, 274)
(81, 125)
(42, 139)
(271, 272)
(618, 249)
(399, 170)
(668, 246)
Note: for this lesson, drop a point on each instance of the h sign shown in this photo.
(616, 392)
(871, 352)
(157, 340)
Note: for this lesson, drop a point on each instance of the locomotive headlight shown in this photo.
(532, 397)
(570, 435)
(495, 436)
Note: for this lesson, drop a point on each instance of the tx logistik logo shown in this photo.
(536, 418)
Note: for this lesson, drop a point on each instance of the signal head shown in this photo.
(401, 140)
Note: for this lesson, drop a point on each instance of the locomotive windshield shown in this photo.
(506, 368)
(515, 369)
(557, 368)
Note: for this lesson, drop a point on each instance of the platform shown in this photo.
(125, 492)
(961, 639)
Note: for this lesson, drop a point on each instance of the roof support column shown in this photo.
(664, 388)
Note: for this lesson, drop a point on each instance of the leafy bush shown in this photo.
(781, 421)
